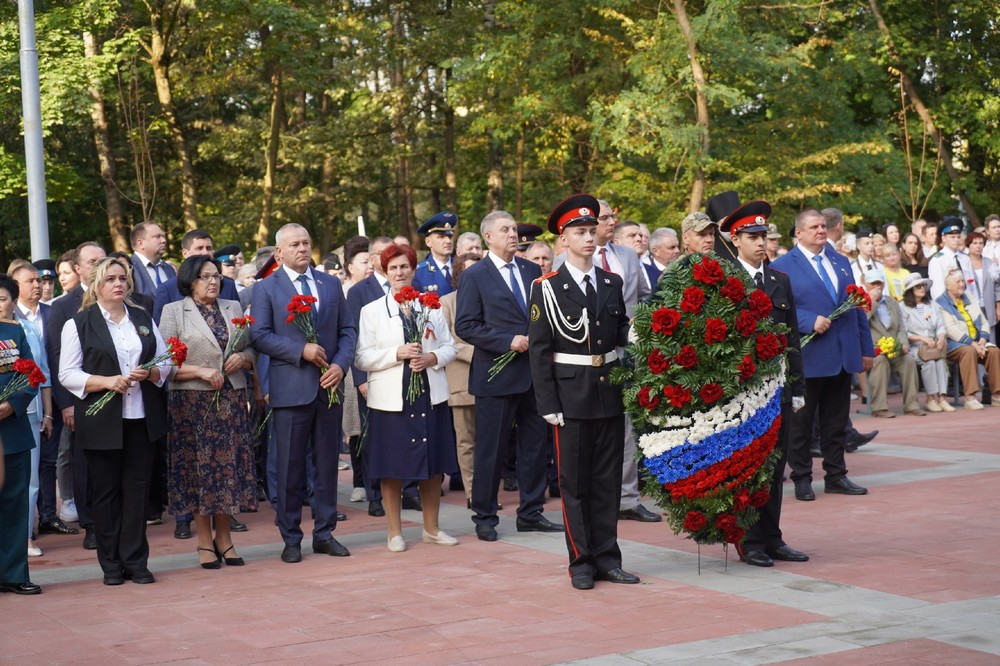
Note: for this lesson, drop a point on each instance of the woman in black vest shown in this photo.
(103, 348)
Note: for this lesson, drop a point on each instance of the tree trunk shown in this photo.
(701, 107)
(519, 178)
(494, 176)
(271, 152)
(925, 116)
(404, 187)
(105, 158)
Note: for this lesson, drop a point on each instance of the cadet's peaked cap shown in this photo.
(578, 209)
(750, 218)
(442, 223)
(526, 234)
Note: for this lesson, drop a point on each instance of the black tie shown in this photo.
(591, 296)
(759, 279)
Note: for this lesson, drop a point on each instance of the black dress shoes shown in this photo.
(341, 517)
(486, 533)
(583, 581)
(140, 577)
(640, 513)
(618, 575)
(860, 440)
(412, 503)
(114, 578)
(543, 524)
(815, 452)
(182, 530)
(291, 553)
(804, 490)
(510, 485)
(21, 588)
(786, 553)
(236, 526)
(56, 526)
(757, 558)
(844, 486)
(330, 547)
(375, 509)
(90, 539)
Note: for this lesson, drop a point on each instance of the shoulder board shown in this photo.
(422, 264)
(939, 253)
(10, 321)
(771, 268)
(546, 276)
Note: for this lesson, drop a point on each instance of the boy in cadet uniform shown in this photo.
(577, 319)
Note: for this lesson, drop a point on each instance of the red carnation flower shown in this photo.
(290, 318)
(760, 304)
(692, 300)
(767, 346)
(759, 498)
(24, 366)
(677, 395)
(694, 521)
(179, 350)
(665, 321)
(687, 357)
(430, 300)
(657, 362)
(733, 289)
(710, 393)
(783, 342)
(747, 368)
(734, 535)
(708, 271)
(746, 323)
(648, 399)
(725, 522)
(715, 331)
(741, 500)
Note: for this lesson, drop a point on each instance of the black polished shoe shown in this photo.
(510, 485)
(236, 526)
(844, 486)
(412, 504)
(617, 575)
(140, 577)
(815, 452)
(183, 529)
(804, 490)
(640, 513)
(330, 547)
(582, 581)
(786, 553)
(341, 517)
(543, 524)
(291, 554)
(862, 439)
(56, 526)
(114, 578)
(89, 539)
(486, 533)
(375, 509)
(554, 492)
(757, 558)
(21, 588)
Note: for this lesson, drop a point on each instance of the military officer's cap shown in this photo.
(526, 235)
(227, 253)
(46, 269)
(442, 223)
(950, 225)
(736, 218)
(577, 209)
(864, 233)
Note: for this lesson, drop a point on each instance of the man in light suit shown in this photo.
(300, 374)
(624, 262)
(492, 315)
(149, 270)
(819, 278)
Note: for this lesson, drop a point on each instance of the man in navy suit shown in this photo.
(300, 374)
(491, 314)
(195, 242)
(819, 278)
(149, 270)
(434, 273)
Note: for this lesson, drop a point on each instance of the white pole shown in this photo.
(34, 160)
(361, 225)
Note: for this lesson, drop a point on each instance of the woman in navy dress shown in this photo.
(408, 441)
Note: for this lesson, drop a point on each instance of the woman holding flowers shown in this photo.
(211, 452)
(404, 343)
(107, 349)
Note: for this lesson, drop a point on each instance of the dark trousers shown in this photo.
(832, 396)
(119, 495)
(13, 511)
(590, 455)
(294, 428)
(81, 483)
(48, 455)
(766, 532)
(158, 480)
(495, 416)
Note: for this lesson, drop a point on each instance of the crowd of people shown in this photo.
(438, 374)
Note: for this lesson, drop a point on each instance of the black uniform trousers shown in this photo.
(495, 417)
(47, 456)
(81, 482)
(766, 533)
(832, 395)
(589, 453)
(13, 511)
(119, 496)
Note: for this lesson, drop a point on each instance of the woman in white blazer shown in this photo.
(407, 440)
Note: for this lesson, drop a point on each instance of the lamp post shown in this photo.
(34, 159)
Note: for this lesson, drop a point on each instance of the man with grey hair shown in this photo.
(834, 224)
(664, 247)
(540, 253)
(469, 242)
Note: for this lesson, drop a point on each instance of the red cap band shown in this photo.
(573, 214)
(748, 221)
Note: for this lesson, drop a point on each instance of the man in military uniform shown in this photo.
(951, 257)
(748, 229)
(577, 319)
(434, 273)
(526, 235)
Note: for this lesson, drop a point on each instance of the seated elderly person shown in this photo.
(928, 340)
(886, 321)
(968, 339)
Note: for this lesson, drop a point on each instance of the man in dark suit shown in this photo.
(819, 278)
(195, 242)
(491, 314)
(747, 227)
(300, 374)
(149, 270)
(63, 309)
(578, 322)
(434, 273)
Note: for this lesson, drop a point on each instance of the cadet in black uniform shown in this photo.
(577, 319)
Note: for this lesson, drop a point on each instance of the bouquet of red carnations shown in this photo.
(176, 353)
(301, 313)
(416, 327)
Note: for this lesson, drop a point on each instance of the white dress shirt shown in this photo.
(578, 276)
(294, 277)
(155, 271)
(505, 273)
(826, 266)
(613, 262)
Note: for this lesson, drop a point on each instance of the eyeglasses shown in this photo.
(214, 277)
